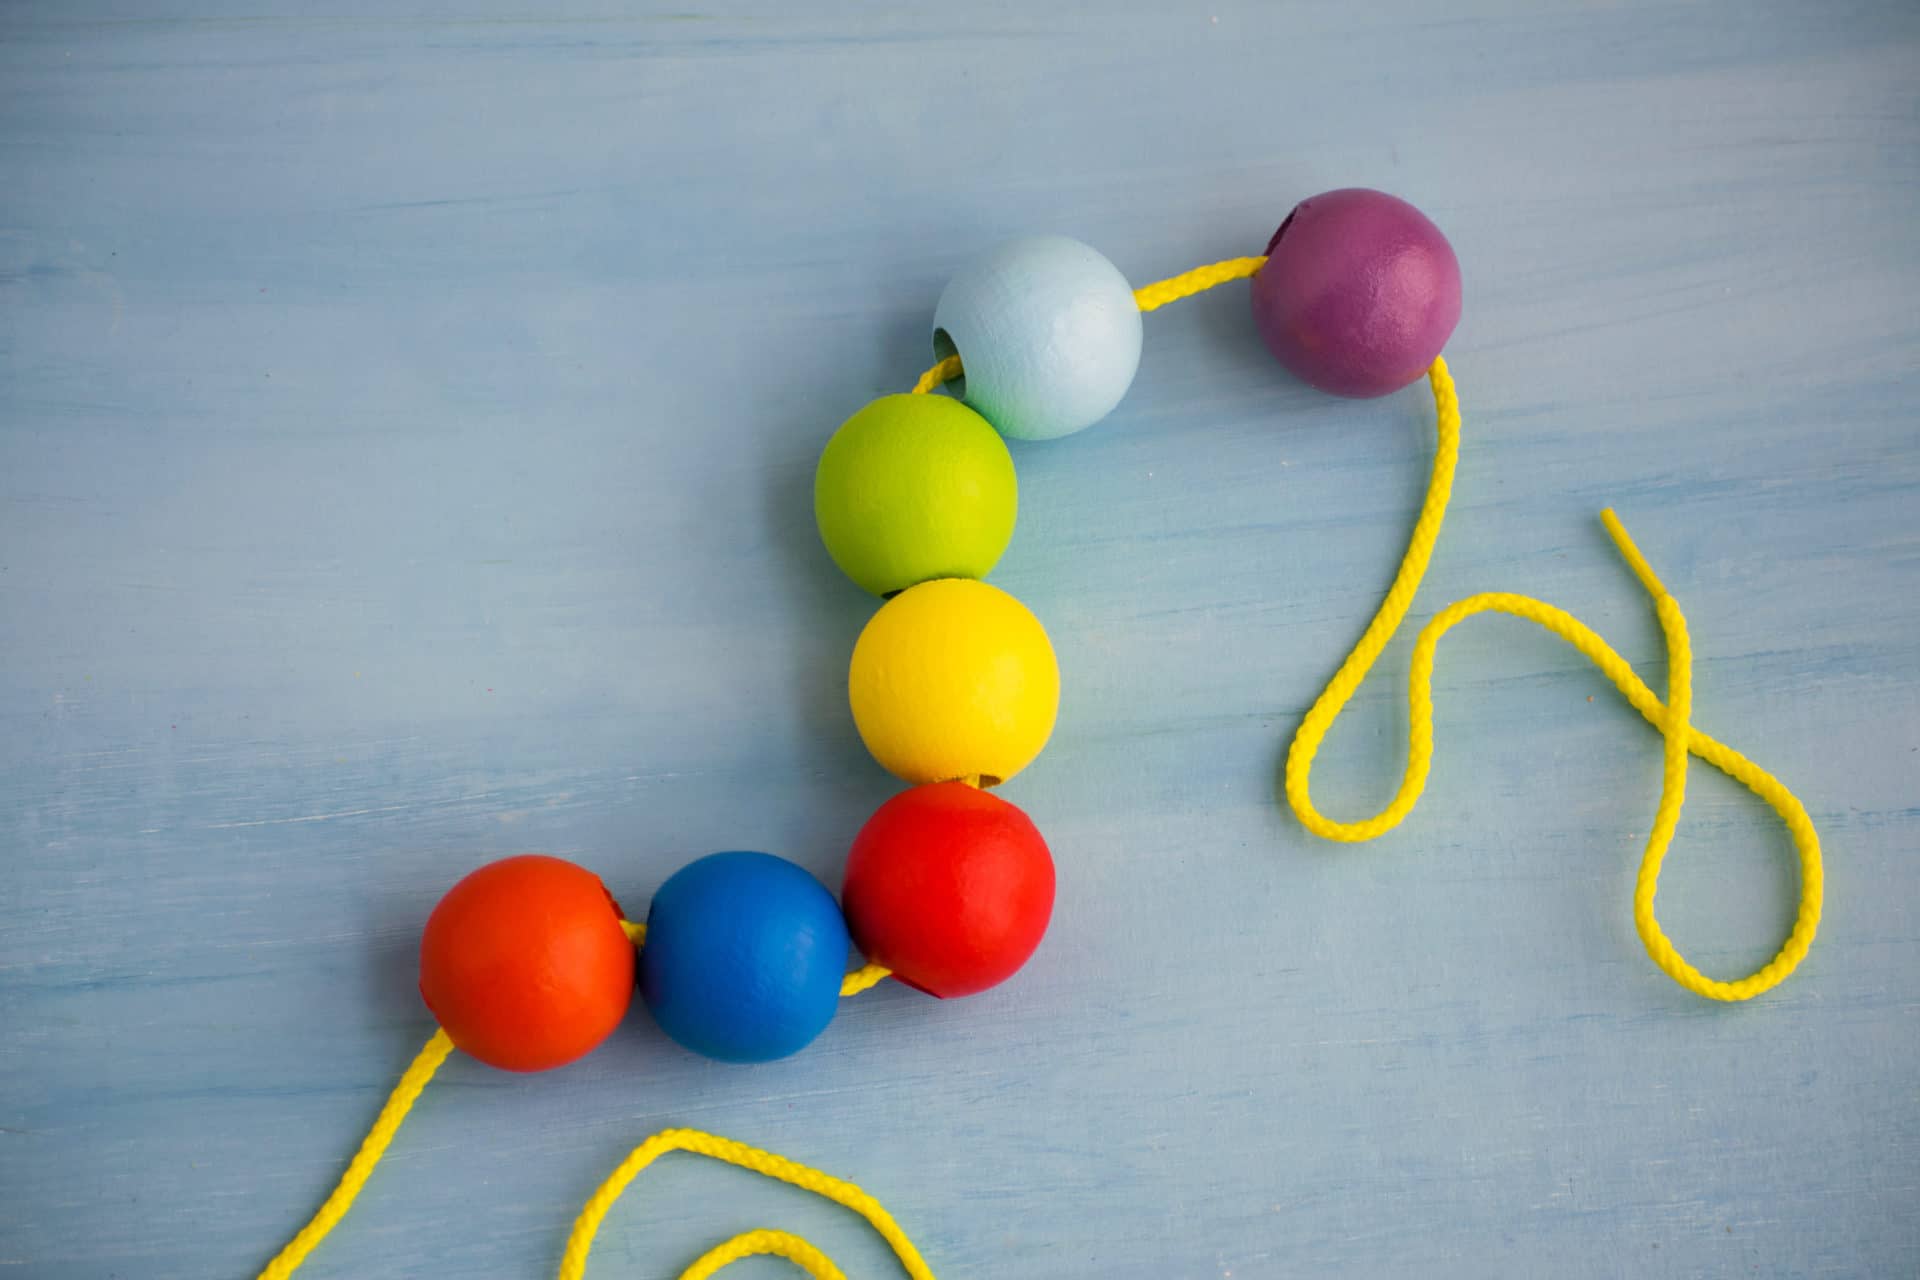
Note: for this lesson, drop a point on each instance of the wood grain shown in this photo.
(407, 419)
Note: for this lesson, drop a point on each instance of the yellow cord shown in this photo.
(1158, 294)
(573, 1263)
(945, 371)
(399, 1102)
(1672, 720)
(865, 978)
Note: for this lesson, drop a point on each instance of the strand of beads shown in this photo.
(529, 963)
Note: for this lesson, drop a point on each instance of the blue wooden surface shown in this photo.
(407, 417)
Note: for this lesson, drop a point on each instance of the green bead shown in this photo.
(913, 488)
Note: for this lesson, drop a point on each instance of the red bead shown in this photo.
(525, 964)
(950, 887)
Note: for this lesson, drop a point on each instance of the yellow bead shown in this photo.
(954, 679)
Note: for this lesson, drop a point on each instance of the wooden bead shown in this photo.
(913, 488)
(743, 957)
(954, 679)
(525, 964)
(1048, 333)
(1359, 294)
(949, 887)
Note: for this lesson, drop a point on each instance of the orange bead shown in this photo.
(525, 964)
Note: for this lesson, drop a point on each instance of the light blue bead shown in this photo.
(1048, 333)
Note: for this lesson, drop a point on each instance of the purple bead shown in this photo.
(1359, 293)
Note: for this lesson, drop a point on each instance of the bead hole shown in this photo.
(1283, 227)
(944, 349)
(612, 901)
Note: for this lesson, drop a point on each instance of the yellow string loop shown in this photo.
(573, 1263)
(1672, 720)
(755, 1244)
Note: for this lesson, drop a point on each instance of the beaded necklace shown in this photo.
(529, 963)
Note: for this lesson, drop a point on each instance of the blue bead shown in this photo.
(1048, 333)
(743, 957)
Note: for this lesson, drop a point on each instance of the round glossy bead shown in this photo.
(743, 957)
(949, 887)
(525, 965)
(1048, 333)
(913, 488)
(1359, 294)
(954, 679)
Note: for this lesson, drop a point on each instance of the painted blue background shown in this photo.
(407, 417)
